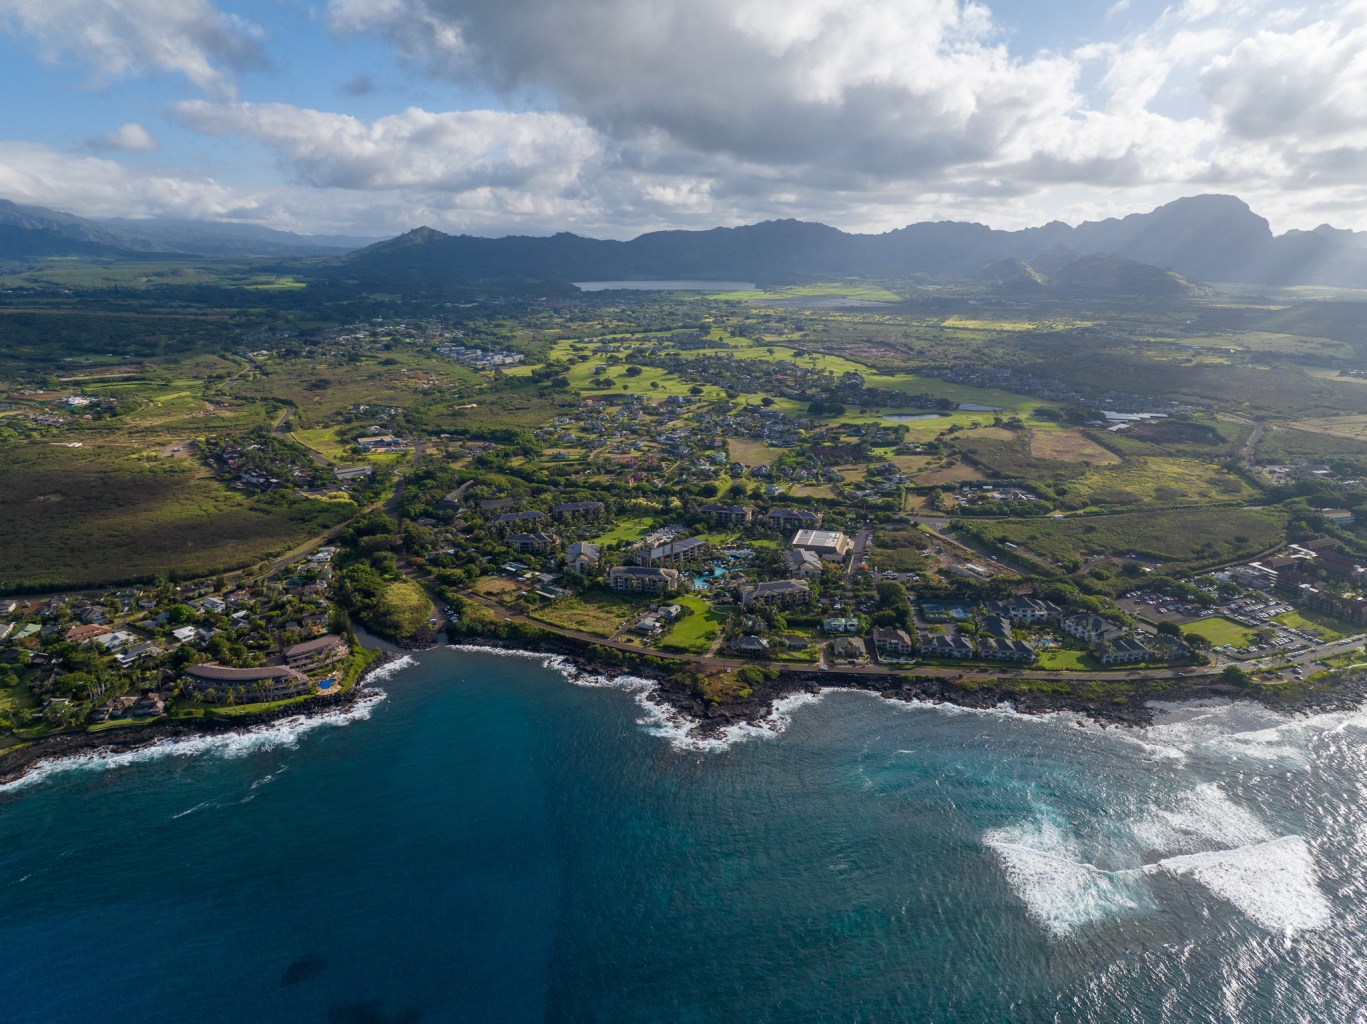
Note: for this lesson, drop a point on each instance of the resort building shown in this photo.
(533, 543)
(640, 579)
(728, 515)
(792, 519)
(581, 556)
(829, 545)
(895, 643)
(783, 593)
(316, 653)
(802, 563)
(268, 682)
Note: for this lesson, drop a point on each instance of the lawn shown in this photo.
(1221, 631)
(629, 530)
(1067, 661)
(694, 633)
(1310, 622)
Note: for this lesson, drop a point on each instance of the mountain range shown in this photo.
(34, 231)
(1208, 238)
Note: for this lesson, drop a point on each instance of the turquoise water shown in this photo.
(491, 843)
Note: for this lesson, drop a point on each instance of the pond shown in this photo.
(665, 286)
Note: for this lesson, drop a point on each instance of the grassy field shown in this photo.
(404, 602)
(1310, 622)
(1221, 631)
(599, 614)
(1205, 535)
(1159, 480)
(629, 529)
(100, 515)
(1067, 661)
(1070, 446)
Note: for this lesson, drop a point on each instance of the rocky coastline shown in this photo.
(1134, 710)
(18, 761)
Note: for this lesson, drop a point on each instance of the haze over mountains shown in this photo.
(27, 231)
(1209, 238)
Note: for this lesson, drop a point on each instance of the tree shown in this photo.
(1169, 629)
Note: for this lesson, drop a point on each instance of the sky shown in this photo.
(614, 117)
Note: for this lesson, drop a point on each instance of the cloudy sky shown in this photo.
(612, 117)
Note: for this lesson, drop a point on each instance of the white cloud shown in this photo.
(415, 149)
(129, 137)
(120, 38)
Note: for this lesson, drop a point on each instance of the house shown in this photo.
(792, 519)
(829, 545)
(1090, 628)
(149, 705)
(783, 593)
(115, 641)
(581, 556)
(212, 604)
(533, 543)
(316, 653)
(578, 510)
(268, 682)
(750, 645)
(80, 634)
(646, 625)
(670, 612)
(993, 649)
(1338, 516)
(1121, 651)
(836, 624)
(728, 515)
(802, 563)
(451, 501)
(943, 645)
(896, 643)
(185, 634)
(379, 442)
(137, 652)
(640, 579)
(849, 648)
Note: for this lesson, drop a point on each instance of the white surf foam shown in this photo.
(285, 732)
(389, 669)
(658, 718)
(1204, 813)
(1274, 883)
(1059, 889)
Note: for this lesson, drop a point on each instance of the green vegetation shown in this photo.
(1220, 631)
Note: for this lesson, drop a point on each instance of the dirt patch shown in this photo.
(1069, 446)
(949, 475)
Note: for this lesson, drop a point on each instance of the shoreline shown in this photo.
(706, 721)
(18, 762)
(713, 719)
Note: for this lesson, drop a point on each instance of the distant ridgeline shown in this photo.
(1157, 254)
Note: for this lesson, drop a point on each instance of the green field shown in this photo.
(1221, 631)
(694, 633)
(599, 614)
(1193, 535)
(87, 516)
(1310, 622)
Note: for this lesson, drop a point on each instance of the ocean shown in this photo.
(490, 838)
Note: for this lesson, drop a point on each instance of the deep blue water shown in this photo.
(491, 843)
